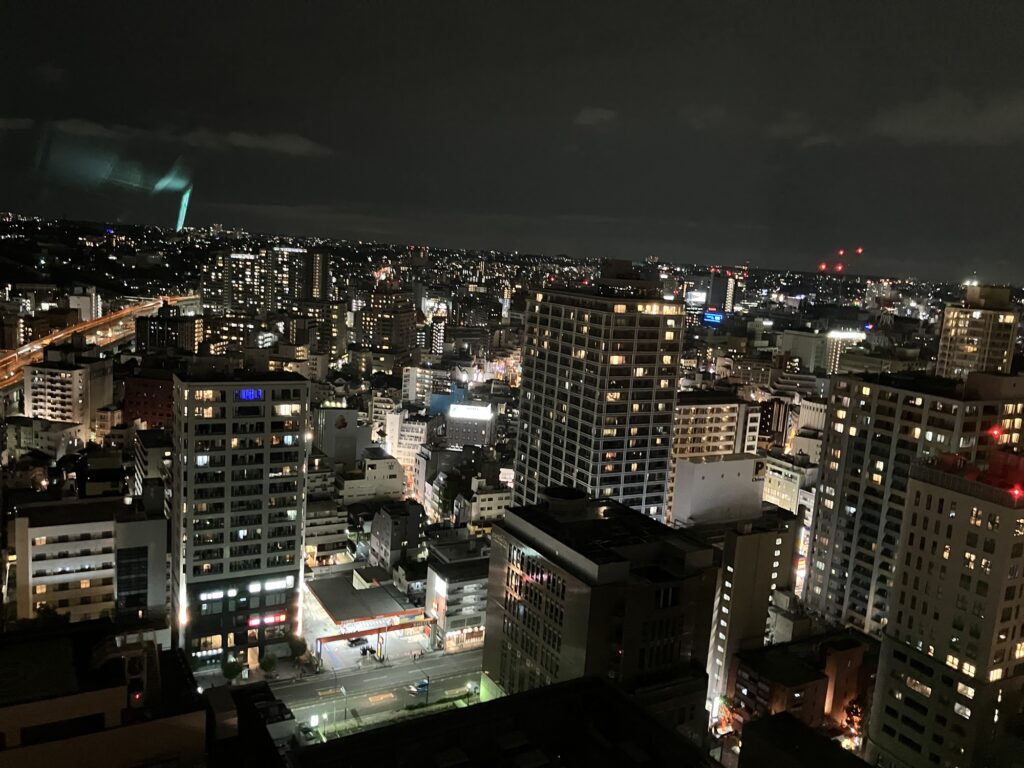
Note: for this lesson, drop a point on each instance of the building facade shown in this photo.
(237, 510)
(600, 373)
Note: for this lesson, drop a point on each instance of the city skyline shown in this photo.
(727, 135)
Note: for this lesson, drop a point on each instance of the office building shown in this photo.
(387, 323)
(376, 476)
(978, 335)
(815, 351)
(876, 427)
(951, 680)
(405, 433)
(484, 505)
(600, 372)
(582, 587)
(470, 424)
(237, 509)
(710, 424)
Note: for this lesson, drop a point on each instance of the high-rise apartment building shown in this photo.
(876, 427)
(583, 587)
(951, 676)
(236, 284)
(237, 509)
(388, 321)
(710, 424)
(978, 335)
(600, 373)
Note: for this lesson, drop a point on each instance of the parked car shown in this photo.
(355, 642)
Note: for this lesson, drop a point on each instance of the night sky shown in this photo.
(772, 132)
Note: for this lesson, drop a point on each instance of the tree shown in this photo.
(268, 663)
(297, 646)
(230, 668)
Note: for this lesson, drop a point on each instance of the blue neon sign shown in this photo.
(713, 317)
(249, 394)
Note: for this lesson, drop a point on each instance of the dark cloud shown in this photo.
(951, 118)
(594, 116)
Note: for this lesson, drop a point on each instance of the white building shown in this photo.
(54, 438)
(404, 433)
(90, 558)
(709, 424)
(70, 384)
(785, 476)
(484, 505)
(717, 489)
(340, 433)
(377, 475)
(152, 449)
(238, 505)
(456, 596)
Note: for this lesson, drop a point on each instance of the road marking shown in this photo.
(327, 691)
(381, 697)
(376, 677)
(454, 691)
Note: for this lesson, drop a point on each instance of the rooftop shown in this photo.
(345, 603)
(707, 397)
(240, 376)
(527, 730)
(49, 661)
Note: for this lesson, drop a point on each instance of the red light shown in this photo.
(996, 432)
(839, 267)
(137, 696)
(823, 266)
(254, 621)
(1016, 492)
(841, 252)
(860, 251)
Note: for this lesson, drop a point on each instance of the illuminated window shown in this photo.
(617, 360)
(969, 669)
(39, 541)
(84, 584)
(40, 589)
(965, 690)
(952, 662)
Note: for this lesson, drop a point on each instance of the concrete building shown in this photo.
(785, 476)
(816, 351)
(718, 488)
(54, 438)
(326, 530)
(470, 424)
(978, 335)
(419, 383)
(456, 596)
(483, 506)
(600, 372)
(340, 433)
(238, 505)
(73, 696)
(70, 384)
(877, 426)
(709, 424)
(397, 533)
(169, 329)
(405, 432)
(591, 587)
(951, 680)
(151, 449)
(758, 558)
(90, 558)
(376, 476)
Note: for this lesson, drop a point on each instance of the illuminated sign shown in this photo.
(713, 317)
(249, 394)
(474, 412)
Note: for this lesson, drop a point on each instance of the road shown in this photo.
(106, 330)
(379, 689)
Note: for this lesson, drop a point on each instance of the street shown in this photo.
(377, 689)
